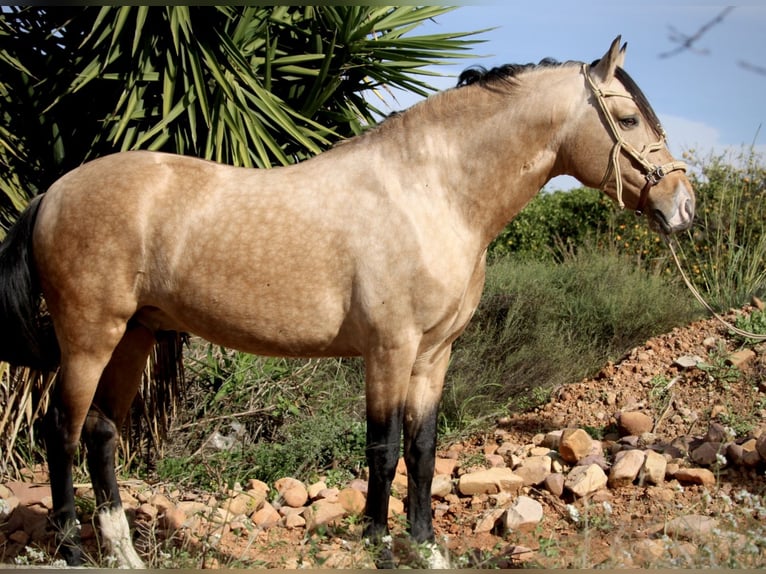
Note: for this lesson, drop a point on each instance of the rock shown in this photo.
(330, 494)
(523, 515)
(245, 502)
(648, 551)
(395, 507)
(147, 511)
(266, 517)
(634, 423)
(716, 433)
(653, 470)
(352, 500)
(445, 466)
(292, 491)
(594, 459)
(552, 439)
(294, 520)
(691, 527)
(400, 484)
(735, 454)
(29, 493)
(751, 458)
(534, 469)
(495, 460)
(760, 445)
(554, 483)
(706, 454)
(359, 484)
(441, 485)
(688, 361)
(172, 519)
(540, 451)
(255, 484)
(627, 465)
(695, 476)
(193, 507)
(489, 481)
(161, 501)
(574, 444)
(19, 537)
(314, 489)
(740, 358)
(7, 505)
(585, 480)
(488, 520)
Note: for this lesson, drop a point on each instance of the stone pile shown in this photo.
(504, 486)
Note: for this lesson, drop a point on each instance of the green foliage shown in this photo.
(552, 220)
(245, 85)
(754, 322)
(542, 324)
(281, 417)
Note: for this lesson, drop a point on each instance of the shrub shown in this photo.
(550, 220)
(541, 324)
(276, 417)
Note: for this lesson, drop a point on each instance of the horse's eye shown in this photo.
(629, 122)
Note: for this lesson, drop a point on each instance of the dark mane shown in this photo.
(505, 73)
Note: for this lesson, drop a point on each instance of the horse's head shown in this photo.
(619, 147)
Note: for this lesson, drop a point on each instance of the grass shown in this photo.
(541, 325)
(726, 248)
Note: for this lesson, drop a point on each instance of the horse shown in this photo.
(374, 248)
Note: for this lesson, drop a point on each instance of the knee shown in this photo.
(98, 429)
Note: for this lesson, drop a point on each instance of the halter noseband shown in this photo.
(652, 172)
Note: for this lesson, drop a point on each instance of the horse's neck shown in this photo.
(490, 152)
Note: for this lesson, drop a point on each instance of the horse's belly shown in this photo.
(267, 326)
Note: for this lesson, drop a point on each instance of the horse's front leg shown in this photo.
(420, 417)
(387, 377)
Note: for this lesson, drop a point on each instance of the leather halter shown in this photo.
(652, 172)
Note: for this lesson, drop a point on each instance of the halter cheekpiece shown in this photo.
(652, 172)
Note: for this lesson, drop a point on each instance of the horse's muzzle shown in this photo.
(676, 214)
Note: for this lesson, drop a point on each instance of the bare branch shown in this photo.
(686, 42)
(752, 67)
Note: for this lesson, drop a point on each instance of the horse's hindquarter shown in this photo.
(314, 259)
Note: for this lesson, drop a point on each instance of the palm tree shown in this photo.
(246, 85)
(253, 86)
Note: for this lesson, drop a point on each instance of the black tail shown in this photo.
(26, 333)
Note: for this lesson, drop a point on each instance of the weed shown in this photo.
(718, 370)
(754, 322)
(660, 394)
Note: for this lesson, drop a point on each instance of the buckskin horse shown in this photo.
(375, 248)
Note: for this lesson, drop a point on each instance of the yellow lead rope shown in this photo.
(696, 293)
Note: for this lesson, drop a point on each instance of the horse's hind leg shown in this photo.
(70, 402)
(114, 395)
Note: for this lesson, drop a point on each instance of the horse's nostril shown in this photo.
(688, 208)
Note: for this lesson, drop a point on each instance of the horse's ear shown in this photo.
(603, 71)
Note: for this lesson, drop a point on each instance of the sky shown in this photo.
(707, 100)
